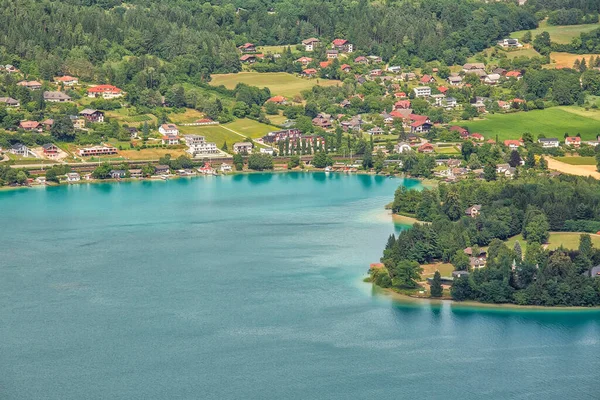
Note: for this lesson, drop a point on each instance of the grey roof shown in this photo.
(595, 272)
(56, 96)
(48, 145)
(8, 100)
(543, 140)
(18, 146)
(88, 111)
(457, 274)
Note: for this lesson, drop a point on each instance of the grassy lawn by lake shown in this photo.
(569, 240)
(552, 122)
(429, 269)
(560, 34)
(578, 160)
(280, 83)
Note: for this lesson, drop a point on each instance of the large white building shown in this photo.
(197, 145)
(422, 91)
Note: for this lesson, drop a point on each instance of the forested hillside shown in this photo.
(88, 37)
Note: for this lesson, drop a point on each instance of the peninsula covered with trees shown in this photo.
(469, 224)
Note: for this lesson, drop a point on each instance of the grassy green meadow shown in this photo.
(561, 33)
(577, 160)
(280, 83)
(569, 240)
(552, 122)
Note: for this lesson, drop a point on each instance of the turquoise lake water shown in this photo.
(250, 287)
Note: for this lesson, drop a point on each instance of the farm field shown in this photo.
(573, 169)
(552, 122)
(280, 83)
(577, 160)
(566, 60)
(569, 240)
(560, 33)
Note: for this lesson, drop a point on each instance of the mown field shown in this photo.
(559, 34)
(578, 160)
(569, 240)
(566, 60)
(218, 134)
(122, 115)
(275, 49)
(280, 83)
(552, 122)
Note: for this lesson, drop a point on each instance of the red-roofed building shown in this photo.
(518, 101)
(427, 79)
(442, 89)
(30, 126)
(105, 91)
(514, 74)
(247, 48)
(420, 123)
(324, 64)
(512, 144)
(574, 141)
(309, 72)
(342, 45)
(361, 60)
(277, 100)
(477, 136)
(345, 68)
(66, 80)
(402, 104)
(425, 148)
(304, 60)
(400, 95)
(249, 58)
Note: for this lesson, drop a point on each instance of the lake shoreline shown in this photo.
(408, 299)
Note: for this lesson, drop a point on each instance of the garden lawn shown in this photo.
(578, 160)
(213, 133)
(569, 240)
(122, 116)
(251, 128)
(552, 122)
(560, 33)
(280, 83)
(275, 49)
(189, 116)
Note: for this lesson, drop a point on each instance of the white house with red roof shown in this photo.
(342, 45)
(304, 60)
(168, 129)
(247, 48)
(574, 141)
(105, 91)
(66, 80)
(512, 144)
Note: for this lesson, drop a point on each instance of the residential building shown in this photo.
(267, 150)
(427, 79)
(311, 43)
(247, 48)
(197, 145)
(225, 168)
(118, 173)
(30, 126)
(509, 43)
(78, 123)
(361, 60)
(322, 121)
(9, 102)
(92, 115)
(549, 142)
(491, 79)
(394, 69)
(342, 45)
(345, 67)
(473, 212)
(20, 149)
(376, 131)
(438, 99)
(455, 80)
(170, 140)
(242, 147)
(422, 91)
(248, 58)
(450, 102)
(97, 151)
(331, 54)
(512, 144)
(136, 173)
(277, 136)
(402, 105)
(426, 148)
(162, 170)
(168, 129)
(56, 97)
(277, 100)
(574, 141)
(105, 91)
(514, 74)
(402, 147)
(66, 80)
(50, 150)
(304, 60)
(473, 66)
(73, 177)
(33, 85)
(309, 72)
(478, 137)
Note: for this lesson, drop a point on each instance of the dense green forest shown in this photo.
(531, 206)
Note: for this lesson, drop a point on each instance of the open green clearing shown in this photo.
(578, 160)
(560, 33)
(275, 49)
(569, 240)
(219, 134)
(551, 122)
(280, 83)
(122, 115)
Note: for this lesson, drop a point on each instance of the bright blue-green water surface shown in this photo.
(250, 287)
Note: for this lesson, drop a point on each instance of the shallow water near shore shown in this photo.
(250, 286)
